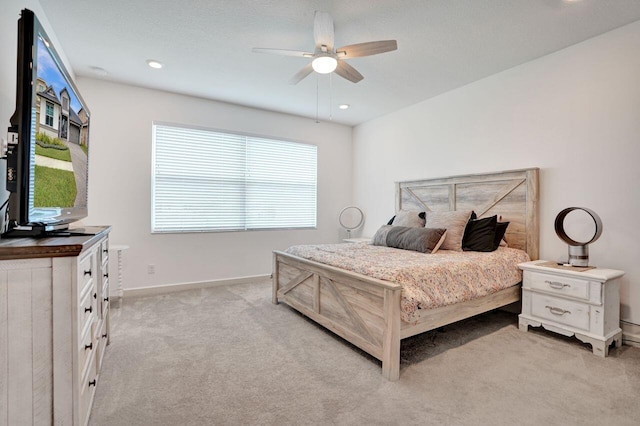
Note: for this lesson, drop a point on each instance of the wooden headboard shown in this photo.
(512, 195)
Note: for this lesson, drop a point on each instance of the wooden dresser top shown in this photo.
(31, 248)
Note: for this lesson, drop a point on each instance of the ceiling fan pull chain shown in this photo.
(317, 99)
(330, 97)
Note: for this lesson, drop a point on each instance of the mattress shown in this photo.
(428, 280)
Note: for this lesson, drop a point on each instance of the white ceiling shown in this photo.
(206, 46)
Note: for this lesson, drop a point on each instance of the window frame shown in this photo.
(234, 133)
(49, 117)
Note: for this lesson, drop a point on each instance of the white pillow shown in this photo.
(410, 218)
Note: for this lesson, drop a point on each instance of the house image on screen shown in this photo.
(56, 118)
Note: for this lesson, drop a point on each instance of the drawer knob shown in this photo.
(88, 272)
(95, 295)
(105, 251)
(104, 336)
(89, 309)
(106, 275)
(89, 346)
(92, 383)
(557, 285)
(557, 311)
(106, 299)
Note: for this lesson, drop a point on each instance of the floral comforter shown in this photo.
(428, 280)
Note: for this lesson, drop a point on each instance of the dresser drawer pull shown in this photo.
(95, 295)
(557, 285)
(106, 275)
(557, 311)
(105, 251)
(104, 336)
(88, 272)
(92, 383)
(89, 346)
(89, 309)
(106, 299)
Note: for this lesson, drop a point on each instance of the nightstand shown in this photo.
(358, 240)
(585, 304)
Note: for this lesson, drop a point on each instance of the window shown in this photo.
(49, 114)
(206, 180)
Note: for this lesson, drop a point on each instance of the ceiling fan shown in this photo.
(326, 59)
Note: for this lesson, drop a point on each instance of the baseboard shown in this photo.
(171, 288)
(630, 334)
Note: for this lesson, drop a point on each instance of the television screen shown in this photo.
(47, 160)
(61, 140)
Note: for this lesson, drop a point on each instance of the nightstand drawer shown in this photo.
(562, 311)
(571, 287)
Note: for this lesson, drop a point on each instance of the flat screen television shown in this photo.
(48, 150)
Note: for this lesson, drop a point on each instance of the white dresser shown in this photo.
(585, 304)
(54, 327)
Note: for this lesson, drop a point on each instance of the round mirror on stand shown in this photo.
(578, 250)
(351, 218)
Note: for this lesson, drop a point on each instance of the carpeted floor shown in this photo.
(227, 356)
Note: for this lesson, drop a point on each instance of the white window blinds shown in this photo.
(212, 181)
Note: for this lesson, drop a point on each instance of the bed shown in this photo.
(370, 312)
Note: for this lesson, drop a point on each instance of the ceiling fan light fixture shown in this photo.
(324, 64)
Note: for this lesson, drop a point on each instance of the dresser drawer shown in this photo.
(87, 308)
(105, 307)
(86, 390)
(104, 248)
(562, 311)
(86, 350)
(568, 287)
(86, 272)
(101, 343)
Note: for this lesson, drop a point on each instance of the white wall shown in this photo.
(120, 183)
(575, 114)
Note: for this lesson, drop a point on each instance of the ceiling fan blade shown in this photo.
(345, 70)
(284, 52)
(323, 30)
(301, 74)
(366, 49)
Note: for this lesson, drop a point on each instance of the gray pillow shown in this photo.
(425, 240)
(380, 238)
(409, 218)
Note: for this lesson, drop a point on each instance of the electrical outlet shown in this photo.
(151, 269)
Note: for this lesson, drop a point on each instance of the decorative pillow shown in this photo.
(425, 240)
(412, 218)
(479, 234)
(501, 228)
(380, 238)
(454, 222)
(437, 246)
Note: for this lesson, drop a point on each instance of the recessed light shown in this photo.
(343, 106)
(154, 64)
(99, 71)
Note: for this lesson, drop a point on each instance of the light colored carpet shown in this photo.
(227, 356)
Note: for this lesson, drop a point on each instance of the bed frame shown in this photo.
(366, 311)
